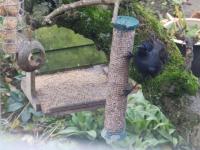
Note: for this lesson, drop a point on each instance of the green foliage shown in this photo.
(178, 2)
(86, 121)
(85, 124)
(172, 80)
(15, 101)
(147, 124)
(193, 31)
(72, 131)
(37, 9)
(92, 22)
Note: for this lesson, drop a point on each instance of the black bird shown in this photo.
(150, 57)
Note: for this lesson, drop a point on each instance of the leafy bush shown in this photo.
(147, 125)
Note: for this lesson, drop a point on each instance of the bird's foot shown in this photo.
(129, 55)
(131, 88)
(128, 89)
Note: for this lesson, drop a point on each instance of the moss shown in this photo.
(173, 81)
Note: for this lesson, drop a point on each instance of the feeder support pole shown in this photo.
(116, 102)
(115, 12)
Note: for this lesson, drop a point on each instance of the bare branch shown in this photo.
(78, 4)
(115, 12)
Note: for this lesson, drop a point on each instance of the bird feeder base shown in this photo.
(66, 92)
(113, 137)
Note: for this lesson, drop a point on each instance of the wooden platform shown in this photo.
(69, 91)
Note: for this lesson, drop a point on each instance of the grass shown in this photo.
(64, 50)
(55, 37)
(73, 57)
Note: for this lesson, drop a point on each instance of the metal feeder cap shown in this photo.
(126, 23)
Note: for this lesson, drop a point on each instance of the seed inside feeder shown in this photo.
(2, 35)
(2, 10)
(10, 47)
(10, 23)
(9, 35)
(12, 7)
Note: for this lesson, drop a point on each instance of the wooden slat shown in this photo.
(28, 87)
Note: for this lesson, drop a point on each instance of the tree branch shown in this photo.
(115, 12)
(78, 4)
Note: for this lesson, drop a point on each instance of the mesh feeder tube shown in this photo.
(116, 101)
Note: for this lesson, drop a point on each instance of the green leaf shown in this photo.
(75, 119)
(154, 142)
(75, 131)
(165, 135)
(160, 125)
(171, 131)
(14, 107)
(91, 134)
(152, 118)
(37, 114)
(175, 141)
(25, 116)
(68, 131)
(2, 85)
(19, 77)
(16, 96)
(178, 2)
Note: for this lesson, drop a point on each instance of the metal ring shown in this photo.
(25, 58)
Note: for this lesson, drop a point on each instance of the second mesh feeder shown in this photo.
(10, 12)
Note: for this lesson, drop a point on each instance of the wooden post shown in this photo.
(28, 87)
(116, 102)
(30, 82)
(0, 105)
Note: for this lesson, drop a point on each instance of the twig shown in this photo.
(115, 12)
(81, 3)
(23, 110)
(0, 106)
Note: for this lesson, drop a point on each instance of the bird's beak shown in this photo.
(139, 46)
